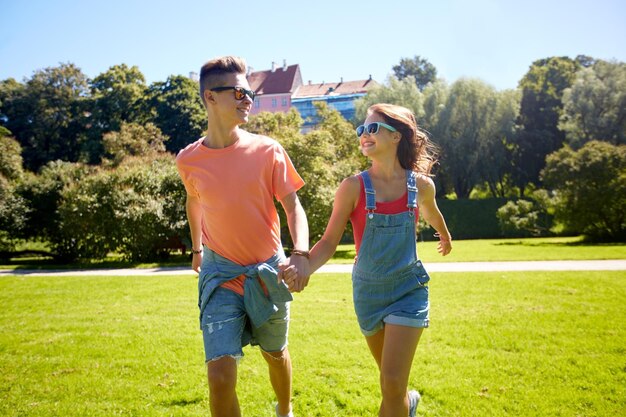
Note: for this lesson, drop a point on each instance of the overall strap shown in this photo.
(411, 186)
(370, 194)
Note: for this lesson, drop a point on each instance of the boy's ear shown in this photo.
(208, 96)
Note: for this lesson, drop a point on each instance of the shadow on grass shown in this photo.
(43, 263)
(182, 402)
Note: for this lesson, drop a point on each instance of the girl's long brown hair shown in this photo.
(415, 150)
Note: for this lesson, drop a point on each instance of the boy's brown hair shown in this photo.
(211, 72)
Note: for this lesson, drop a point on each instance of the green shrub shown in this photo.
(590, 189)
(523, 218)
(150, 207)
(43, 195)
(13, 217)
(132, 210)
(469, 219)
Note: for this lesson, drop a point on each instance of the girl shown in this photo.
(389, 283)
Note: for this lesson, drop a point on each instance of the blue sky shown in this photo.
(495, 41)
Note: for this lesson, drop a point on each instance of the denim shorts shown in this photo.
(400, 298)
(226, 328)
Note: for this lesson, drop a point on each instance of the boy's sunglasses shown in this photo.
(372, 128)
(240, 92)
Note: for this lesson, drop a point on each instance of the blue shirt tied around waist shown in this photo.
(388, 280)
(216, 270)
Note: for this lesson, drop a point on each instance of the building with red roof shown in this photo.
(340, 96)
(274, 87)
(280, 88)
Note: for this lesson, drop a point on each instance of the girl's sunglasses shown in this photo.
(372, 128)
(240, 92)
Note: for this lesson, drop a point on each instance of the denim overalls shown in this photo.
(389, 282)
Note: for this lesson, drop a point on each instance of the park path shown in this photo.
(595, 265)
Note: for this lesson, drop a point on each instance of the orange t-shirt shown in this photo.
(236, 187)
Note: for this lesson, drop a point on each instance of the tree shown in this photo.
(422, 71)
(541, 107)
(323, 157)
(590, 189)
(116, 97)
(47, 115)
(595, 105)
(284, 127)
(10, 156)
(496, 149)
(401, 92)
(10, 93)
(463, 126)
(435, 96)
(178, 111)
(13, 208)
(348, 158)
(133, 140)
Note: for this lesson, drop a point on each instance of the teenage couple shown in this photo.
(245, 280)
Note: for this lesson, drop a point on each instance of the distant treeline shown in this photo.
(70, 145)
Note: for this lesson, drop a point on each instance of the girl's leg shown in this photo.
(393, 349)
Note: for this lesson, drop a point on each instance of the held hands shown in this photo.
(294, 272)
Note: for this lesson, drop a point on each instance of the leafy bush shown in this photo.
(10, 156)
(43, 194)
(13, 217)
(133, 140)
(590, 189)
(133, 210)
(150, 207)
(523, 218)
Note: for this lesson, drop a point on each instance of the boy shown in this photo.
(231, 178)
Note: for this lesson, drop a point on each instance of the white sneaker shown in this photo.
(414, 399)
(287, 415)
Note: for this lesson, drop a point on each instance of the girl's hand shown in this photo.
(287, 274)
(444, 247)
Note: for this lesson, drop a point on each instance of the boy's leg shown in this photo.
(223, 323)
(222, 376)
(279, 364)
(272, 339)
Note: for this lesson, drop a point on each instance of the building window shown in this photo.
(284, 101)
(273, 102)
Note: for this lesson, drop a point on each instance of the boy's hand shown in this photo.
(196, 261)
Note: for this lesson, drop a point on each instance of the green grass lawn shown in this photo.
(538, 249)
(535, 249)
(500, 344)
